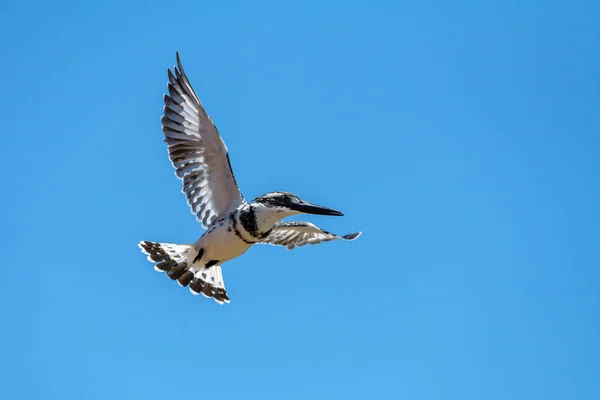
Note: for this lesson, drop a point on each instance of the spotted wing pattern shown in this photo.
(298, 233)
(197, 152)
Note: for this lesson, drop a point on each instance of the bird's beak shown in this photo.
(308, 208)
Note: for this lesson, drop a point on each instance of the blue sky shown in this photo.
(462, 138)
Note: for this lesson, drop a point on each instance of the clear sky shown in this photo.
(461, 137)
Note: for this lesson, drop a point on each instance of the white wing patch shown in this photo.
(300, 233)
(197, 152)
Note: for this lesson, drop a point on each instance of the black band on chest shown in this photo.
(236, 229)
(248, 220)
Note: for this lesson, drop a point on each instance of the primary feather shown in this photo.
(299, 233)
(197, 152)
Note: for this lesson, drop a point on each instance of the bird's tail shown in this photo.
(172, 259)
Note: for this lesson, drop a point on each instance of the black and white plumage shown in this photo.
(293, 234)
(172, 259)
(233, 225)
(197, 152)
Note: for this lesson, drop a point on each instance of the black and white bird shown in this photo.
(233, 225)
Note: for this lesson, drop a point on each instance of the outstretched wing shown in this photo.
(295, 234)
(197, 152)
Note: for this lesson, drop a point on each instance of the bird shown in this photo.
(232, 225)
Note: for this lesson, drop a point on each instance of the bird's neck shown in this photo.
(266, 217)
(258, 219)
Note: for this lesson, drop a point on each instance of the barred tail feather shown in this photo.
(172, 259)
(209, 283)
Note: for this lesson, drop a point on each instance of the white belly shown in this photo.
(220, 244)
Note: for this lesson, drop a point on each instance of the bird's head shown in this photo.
(291, 204)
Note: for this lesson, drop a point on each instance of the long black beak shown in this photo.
(308, 208)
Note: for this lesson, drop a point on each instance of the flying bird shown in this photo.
(233, 225)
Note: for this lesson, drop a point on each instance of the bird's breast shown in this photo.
(221, 243)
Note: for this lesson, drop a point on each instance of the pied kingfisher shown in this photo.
(233, 225)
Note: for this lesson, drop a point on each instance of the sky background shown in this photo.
(461, 137)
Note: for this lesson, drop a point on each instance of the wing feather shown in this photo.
(299, 233)
(197, 152)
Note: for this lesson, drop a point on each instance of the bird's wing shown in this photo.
(295, 234)
(200, 157)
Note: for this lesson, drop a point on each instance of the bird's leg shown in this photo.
(199, 256)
